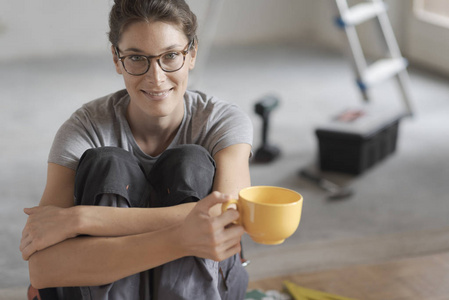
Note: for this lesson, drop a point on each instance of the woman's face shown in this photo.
(155, 93)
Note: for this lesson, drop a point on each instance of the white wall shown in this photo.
(50, 27)
(258, 21)
(428, 44)
(58, 27)
(329, 35)
(421, 43)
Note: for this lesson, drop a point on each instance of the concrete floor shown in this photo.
(400, 206)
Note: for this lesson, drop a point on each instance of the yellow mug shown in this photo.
(268, 214)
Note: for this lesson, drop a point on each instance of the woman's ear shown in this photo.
(193, 51)
(118, 67)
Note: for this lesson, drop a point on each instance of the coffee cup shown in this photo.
(268, 214)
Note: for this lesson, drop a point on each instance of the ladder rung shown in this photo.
(361, 12)
(383, 69)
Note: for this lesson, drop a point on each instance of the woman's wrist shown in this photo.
(77, 220)
(177, 236)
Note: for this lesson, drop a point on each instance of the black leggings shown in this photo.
(110, 176)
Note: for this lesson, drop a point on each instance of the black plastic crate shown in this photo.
(357, 139)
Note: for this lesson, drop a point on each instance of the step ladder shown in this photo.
(393, 65)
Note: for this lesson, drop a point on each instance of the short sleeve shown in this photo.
(71, 141)
(228, 125)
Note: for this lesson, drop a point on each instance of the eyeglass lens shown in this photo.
(138, 64)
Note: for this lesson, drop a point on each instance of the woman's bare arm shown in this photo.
(56, 219)
(232, 169)
(96, 261)
(82, 256)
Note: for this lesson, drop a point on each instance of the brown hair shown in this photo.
(126, 12)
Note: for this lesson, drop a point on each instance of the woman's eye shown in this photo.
(171, 55)
(137, 58)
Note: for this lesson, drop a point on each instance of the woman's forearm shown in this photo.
(49, 225)
(114, 221)
(85, 261)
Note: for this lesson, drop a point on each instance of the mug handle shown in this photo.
(225, 206)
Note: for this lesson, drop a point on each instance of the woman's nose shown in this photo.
(155, 74)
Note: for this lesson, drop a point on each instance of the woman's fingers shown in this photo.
(234, 235)
(208, 236)
(211, 200)
(31, 210)
(205, 204)
(228, 217)
(27, 247)
(26, 253)
(46, 226)
(24, 242)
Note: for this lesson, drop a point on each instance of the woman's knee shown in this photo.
(109, 170)
(182, 174)
(104, 154)
(188, 156)
(96, 162)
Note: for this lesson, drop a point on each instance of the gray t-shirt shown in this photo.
(207, 122)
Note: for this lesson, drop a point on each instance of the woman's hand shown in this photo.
(213, 237)
(45, 227)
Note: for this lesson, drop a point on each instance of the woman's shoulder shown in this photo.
(106, 107)
(199, 102)
(106, 103)
(215, 124)
(96, 124)
(206, 111)
(195, 98)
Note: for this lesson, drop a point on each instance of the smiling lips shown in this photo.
(157, 95)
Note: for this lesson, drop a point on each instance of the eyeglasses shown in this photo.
(170, 61)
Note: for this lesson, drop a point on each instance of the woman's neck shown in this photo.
(153, 134)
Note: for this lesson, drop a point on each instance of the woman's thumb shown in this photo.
(29, 210)
(212, 199)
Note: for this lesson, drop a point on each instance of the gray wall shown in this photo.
(59, 27)
(49, 27)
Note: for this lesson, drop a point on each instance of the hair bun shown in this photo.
(125, 12)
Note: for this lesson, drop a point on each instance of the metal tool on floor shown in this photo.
(266, 152)
(392, 65)
(335, 191)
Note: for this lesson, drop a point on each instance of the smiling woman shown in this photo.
(136, 178)
(156, 92)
